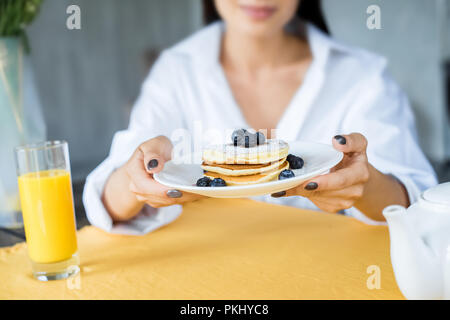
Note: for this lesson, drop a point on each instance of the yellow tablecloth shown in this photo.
(220, 249)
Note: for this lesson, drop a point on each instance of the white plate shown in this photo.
(319, 158)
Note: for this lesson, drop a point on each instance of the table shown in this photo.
(221, 249)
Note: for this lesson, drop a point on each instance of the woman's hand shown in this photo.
(352, 183)
(344, 185)
(149, 158)
(132, 185)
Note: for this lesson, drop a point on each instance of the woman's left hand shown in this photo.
(344, 186)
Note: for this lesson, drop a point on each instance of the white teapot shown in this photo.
(420, 244)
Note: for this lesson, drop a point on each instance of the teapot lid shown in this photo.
(438, 194)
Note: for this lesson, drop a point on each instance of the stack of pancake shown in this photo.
(239, 165)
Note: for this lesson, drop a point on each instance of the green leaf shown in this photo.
(15, 15)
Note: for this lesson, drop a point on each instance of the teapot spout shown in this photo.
(416, 268)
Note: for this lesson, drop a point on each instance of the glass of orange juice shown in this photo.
(45, 190)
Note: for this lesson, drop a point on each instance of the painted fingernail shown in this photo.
(340, 139)
(174, 194)
(311, 186)
(279, 194)
(152, 164)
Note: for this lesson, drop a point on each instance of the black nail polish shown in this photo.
(279, 194)
(311, 186)
(340, 139)
(152, 164)
(174, 194)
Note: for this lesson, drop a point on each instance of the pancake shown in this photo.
(249, 179)
(242, 169)
(271, 151)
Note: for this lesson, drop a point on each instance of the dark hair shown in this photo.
(308, 10)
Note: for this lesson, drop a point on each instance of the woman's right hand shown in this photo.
(132, 186)
(148, 159)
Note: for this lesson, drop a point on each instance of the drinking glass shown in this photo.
(45, 190)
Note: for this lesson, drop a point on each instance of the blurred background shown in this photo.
(87, 80)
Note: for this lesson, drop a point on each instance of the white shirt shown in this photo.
(345, 90)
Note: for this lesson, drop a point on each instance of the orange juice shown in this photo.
(48, 214)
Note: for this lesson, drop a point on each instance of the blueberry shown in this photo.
(295, 162)
(286, 174)
(218, 182)
(204, 182)
(237, 135)
(250, 140)
(244, 138)
(260, 138)
(239, 141)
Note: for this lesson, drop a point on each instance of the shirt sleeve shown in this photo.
(382, 113)
(156, 112)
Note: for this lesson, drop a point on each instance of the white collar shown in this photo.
(208, 43)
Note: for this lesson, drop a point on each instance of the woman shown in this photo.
(264, 68)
